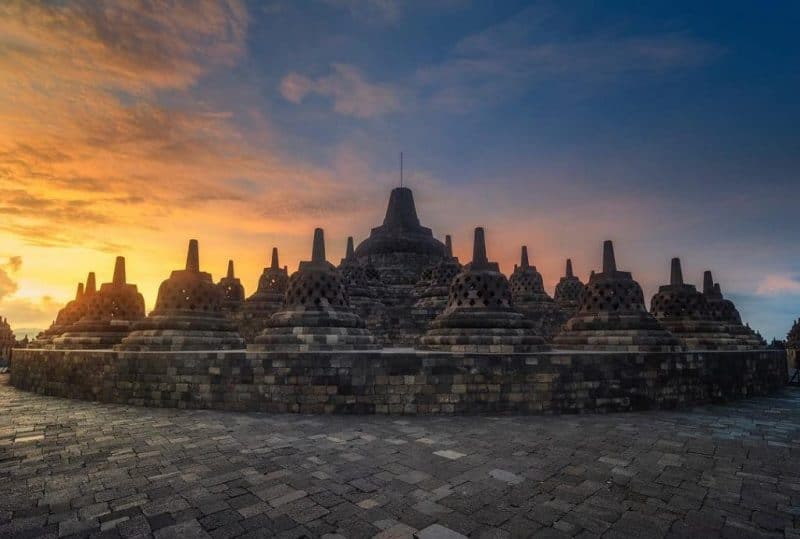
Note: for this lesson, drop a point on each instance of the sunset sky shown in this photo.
(670, 128)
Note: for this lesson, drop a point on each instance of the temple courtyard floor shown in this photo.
(71, 468)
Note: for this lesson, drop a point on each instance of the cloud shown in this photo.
(778, 285)
(524, 52)
(351, 93)
(382, 11)
(8, 285)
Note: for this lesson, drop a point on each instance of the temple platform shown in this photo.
(401, 381)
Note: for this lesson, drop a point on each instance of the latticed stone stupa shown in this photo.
(362, 296)
(612, 316)
(108, 316)
(684, 311)
(188, 314)
(267, 299)
(531, 299)
(232, 291)
(723, 310)
(433, 292)
(568, 292)
(316, 314)
(479, 316)
(69, 314)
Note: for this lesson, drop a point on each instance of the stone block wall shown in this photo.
(401, 382)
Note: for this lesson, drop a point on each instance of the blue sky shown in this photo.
(669, 127)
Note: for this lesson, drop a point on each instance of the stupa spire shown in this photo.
(448, 245)
(523, 259)
(350, 253)
(193, 257)
(676, 274)
(708, 282)
(91, 285)
(609, 263)
(318, 250)
(568, 272)
(274, 264)
(230, 270)
(479, 248)
(119, 271)
(79, 292)
(401, 212)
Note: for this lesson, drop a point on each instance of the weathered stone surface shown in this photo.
(108, 315)
(568, 291)
(531, 299)
(613, 316)
(685, 312)
(432, 291)
(401, 382)
(480, 316)
(362, 294)
(316, 314)
(104, 470)
(188, 314)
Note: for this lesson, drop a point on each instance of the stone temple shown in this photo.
(401, 327)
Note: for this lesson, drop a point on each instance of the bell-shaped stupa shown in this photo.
(684, 311)
(232, 291)
(612, 316)
(188, 314)
(724, 311)
(363, 297)
(568, 292)
(69, 314)
(316, 314)
(433, 292)
(265, 301)
(108, 316)
(479, 316)
(531, 299)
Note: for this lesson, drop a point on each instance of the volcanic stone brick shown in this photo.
(232, 290)
(685, 312)
(568, 291)
(363, 297)
(723, 310)
(71, 313)
(530, 298)
(188, 314)
(109, 315)
(316, 314)
(479, 316)
(613, 317)
(266, 301)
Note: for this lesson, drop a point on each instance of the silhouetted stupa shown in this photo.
(479, 316)
(267, 299)
(432, 293)
(362, 296)
(188, 314)
(612, 316)
(71, 313)
(232, 290)
(531, 299)
(568, 292)
(723, 310)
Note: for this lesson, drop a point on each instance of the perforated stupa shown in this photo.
(568, 292)
(69, 314)
(265, 301)
(613, 317)
(108, 316)
(232, 291)
(188, 314)
(531, 299)
(316, 314)
(433, 290)
(724, 311)
(480, 316)
(684, 311)
(362, 296)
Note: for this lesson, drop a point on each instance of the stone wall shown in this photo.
(401, 382)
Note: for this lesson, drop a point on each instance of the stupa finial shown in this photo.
(350, 253)
(448, 245)
(91, 285)
(230, 269)
(708, 282)
(676, 274)
(79, 292)
(479, 248)
(609, 263)
(401, 212)
(318, 250)
(717, 289)
(523, 259)
(274, 264)
(569, 268)
(193, 257)
(119, 271)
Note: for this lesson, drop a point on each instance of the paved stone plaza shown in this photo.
(77, 468)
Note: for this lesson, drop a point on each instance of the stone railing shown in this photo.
(401, 382)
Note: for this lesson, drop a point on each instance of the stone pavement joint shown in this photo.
(81, 469)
